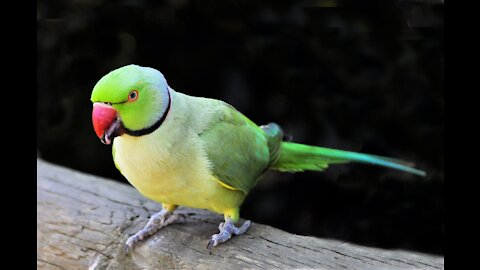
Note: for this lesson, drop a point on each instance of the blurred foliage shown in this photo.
(362, 75)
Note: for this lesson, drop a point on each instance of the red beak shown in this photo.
(106, 123)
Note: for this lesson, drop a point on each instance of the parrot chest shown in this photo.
(169, 168)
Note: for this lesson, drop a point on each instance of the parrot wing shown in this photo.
(236, 147)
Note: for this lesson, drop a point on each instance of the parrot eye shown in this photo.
(133, 95)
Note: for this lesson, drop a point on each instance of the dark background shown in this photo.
(363, 76)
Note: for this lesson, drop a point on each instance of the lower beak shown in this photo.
(116, 129)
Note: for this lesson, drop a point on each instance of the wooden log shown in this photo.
(83, 222)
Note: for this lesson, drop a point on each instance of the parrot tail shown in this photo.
(294, 157)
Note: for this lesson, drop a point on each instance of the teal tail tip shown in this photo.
(416, 172)
(389, 163)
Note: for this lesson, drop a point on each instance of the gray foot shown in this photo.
(227, 229)
(156, 222)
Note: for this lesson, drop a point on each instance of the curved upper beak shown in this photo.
(106, 123)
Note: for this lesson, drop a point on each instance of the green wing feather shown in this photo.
(236, 147)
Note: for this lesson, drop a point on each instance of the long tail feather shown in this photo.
(296, 157)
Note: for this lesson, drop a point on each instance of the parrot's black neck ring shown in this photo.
(152, 128)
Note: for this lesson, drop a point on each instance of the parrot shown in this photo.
(197, 152)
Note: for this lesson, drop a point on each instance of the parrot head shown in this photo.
(131, 99)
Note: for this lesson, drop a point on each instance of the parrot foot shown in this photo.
(227, 229)
(156, 222)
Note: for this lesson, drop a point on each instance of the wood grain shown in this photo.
(83, 222)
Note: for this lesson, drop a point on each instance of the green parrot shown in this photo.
(181, 150)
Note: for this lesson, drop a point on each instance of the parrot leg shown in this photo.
(156, 222)
(227, 229)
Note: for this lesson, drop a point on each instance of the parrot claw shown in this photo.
(227, 229)
(210, 245)
(156, 222)
(128, 247)
(134, 239)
